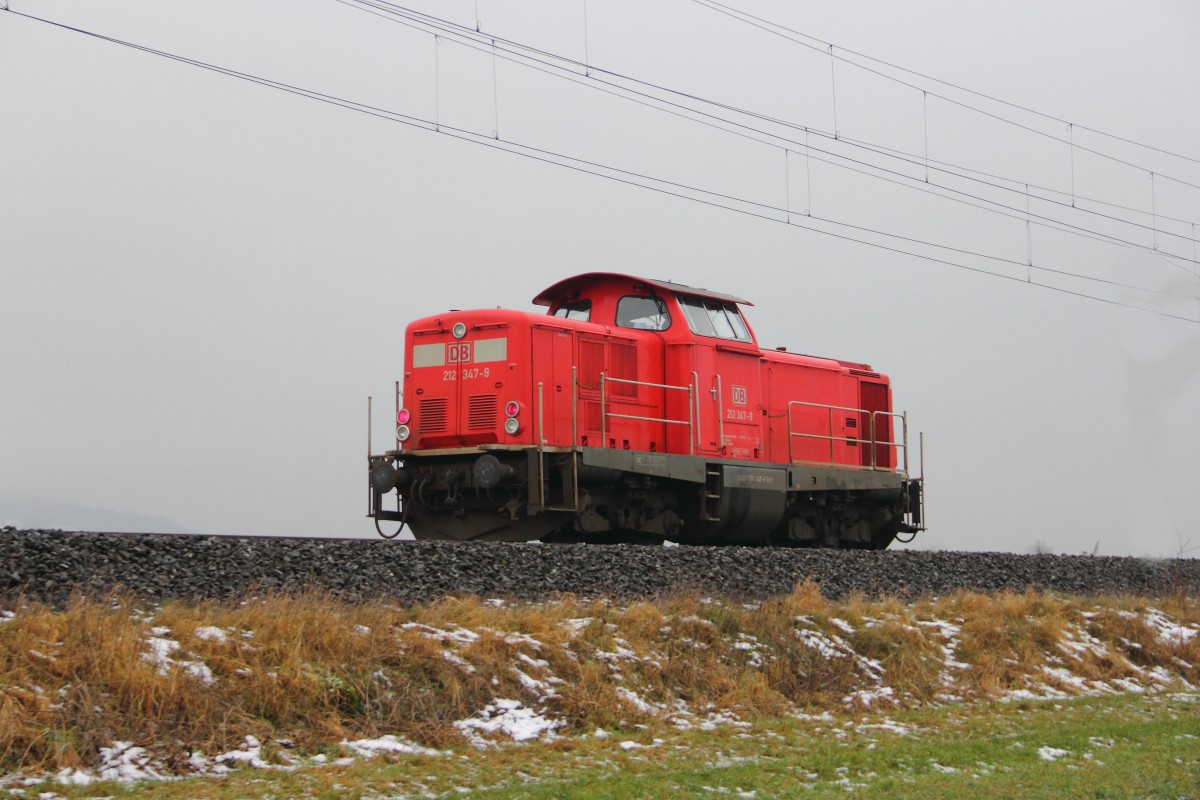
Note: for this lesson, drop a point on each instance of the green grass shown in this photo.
(1127, 746)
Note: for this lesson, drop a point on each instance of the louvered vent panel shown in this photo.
(591, 416)
(874, 397)
(591, 362)
(624, 366)
(431, 415)
(481, 412)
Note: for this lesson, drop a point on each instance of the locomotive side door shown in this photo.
(553, 355)
(703, 376)
(725, 360)
(739, 397)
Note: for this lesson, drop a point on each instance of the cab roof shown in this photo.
(573, 286)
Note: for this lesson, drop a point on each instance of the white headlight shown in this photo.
(402, 433)
(459, 330)
(511, 426)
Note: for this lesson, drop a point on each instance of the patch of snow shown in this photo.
(508, 718)
(459, 662)
(577, 625)
(1161, 675)
(538, 663)
(1128, 685)
(819, 642)
(888, 725)
(211, 634)
(160, 651)
(250, 755)
(636, 701)
(458, 635)
(842, 625)
(869, 696)
(541, 688)
(620, 653)
(1051, 753)
(1066, 677)
(1167, 630)
(198, 670)
(160, 654)
(387, 744)
(125, 763)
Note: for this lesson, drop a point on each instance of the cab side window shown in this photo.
(580, 310)
(643, 313)
(716, 318)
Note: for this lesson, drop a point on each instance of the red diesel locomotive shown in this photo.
(638, 411)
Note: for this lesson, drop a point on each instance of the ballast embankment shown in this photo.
(54, 565)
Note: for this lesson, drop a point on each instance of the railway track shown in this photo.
(53, 565)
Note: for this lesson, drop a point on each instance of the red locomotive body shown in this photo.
(639, 411)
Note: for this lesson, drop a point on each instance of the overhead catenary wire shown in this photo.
(396, 9)
(396, 13)
(650, 101)
(618, 175)
(953, 85)
(949, 168)
(782, 31)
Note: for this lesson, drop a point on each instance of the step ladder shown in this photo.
(711, 510)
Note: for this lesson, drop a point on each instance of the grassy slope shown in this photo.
(787, 683)
(1115, 747)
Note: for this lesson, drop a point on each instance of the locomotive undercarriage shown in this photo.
(614, 496)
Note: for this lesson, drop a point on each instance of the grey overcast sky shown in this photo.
(202, 278)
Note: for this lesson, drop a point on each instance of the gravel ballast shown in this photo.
(53, 565)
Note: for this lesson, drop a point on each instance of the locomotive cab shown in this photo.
(638, 410)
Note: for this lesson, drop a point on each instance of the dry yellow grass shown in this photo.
(310, 672)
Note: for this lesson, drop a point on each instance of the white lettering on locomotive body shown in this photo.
(738, 395)
(467, 373)
(458, 353)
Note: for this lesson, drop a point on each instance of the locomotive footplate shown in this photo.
(749, 474)
(785, 504)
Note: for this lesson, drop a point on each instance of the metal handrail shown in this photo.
(605, 414)
(902, 445)
(872, 442)
(541, 449)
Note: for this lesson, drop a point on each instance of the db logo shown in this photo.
(458, 353)
(739, 395)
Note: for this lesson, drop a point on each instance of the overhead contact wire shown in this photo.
(775, 28)
(475, 138)
(520, 59)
